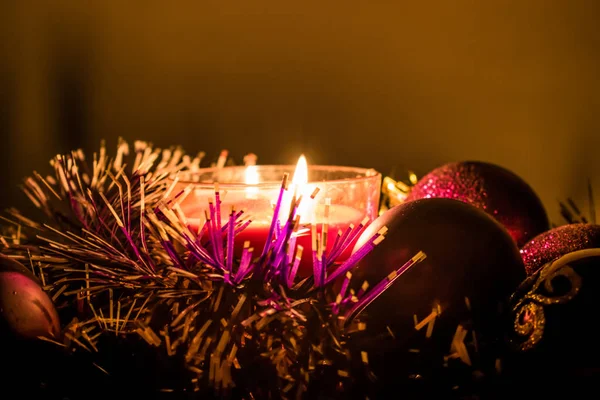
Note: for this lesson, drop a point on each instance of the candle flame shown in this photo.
(300, 178)
(299, 186)
(251, 178)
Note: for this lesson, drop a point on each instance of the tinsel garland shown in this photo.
(115, 250)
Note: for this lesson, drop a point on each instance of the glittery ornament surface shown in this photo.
(491, 188)
(557, 242)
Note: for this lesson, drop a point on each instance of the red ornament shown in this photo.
(497, 191)
(557, 242)
(471, 268)
(469, 254)
(25, 309)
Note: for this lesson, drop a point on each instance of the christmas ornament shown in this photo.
(198, 319)
(432, 311)
(497, 191)
(25, 309)
(552, 323)
(150, 308)
(557, 242)
(8, 264)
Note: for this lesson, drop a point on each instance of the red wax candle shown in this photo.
(340, 218)
(333, 198)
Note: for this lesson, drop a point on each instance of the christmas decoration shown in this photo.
(551, 330)
(154, 306)
(446, 309)
(394, 192)
(148, 297)
(491, 188)
(25, 309)
(557, 242)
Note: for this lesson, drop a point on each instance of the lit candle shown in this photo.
(252, 179)
(346, 197)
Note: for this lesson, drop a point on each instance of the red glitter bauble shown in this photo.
(557, 242)
(497, 191)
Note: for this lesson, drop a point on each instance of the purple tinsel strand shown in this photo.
(173, 199)
(128, 208)
(362, 289)
(102, 222)
(275, 221)
(292, 275)
(218, 206)
(316, 269)
(356, 233)
(230, 241)
(341, 244)
(242, 226)
(291, 248)
(383, 286)
(286, 232)
(245, 266)
(345, 285)
(143, 231)
(334, 246)
(276, 265)
(142, 225)
(218, 231)
(353, 259)
(289, 257)
(322, 269)
(136, 250)
(276, 245)
(215, 244)
(236, 218)
(168, 246)
(278, 257)
(203, 231)
(353, 235)
(341, 295)
(122, 203)
(200, 252)
(282, 258)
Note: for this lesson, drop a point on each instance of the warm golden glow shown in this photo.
(299, 187)
(300, 178)
(252, 178)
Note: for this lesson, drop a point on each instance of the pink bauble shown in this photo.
(493, 189)
(25, 309)
(557, 242)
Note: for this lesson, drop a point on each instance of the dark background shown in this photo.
(392, 85)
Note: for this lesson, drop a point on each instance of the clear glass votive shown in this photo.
(352, 194)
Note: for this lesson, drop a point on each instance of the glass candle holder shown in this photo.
(351, 194)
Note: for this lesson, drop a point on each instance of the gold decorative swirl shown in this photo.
(547, 277)
(530, 319)
(529, 322)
